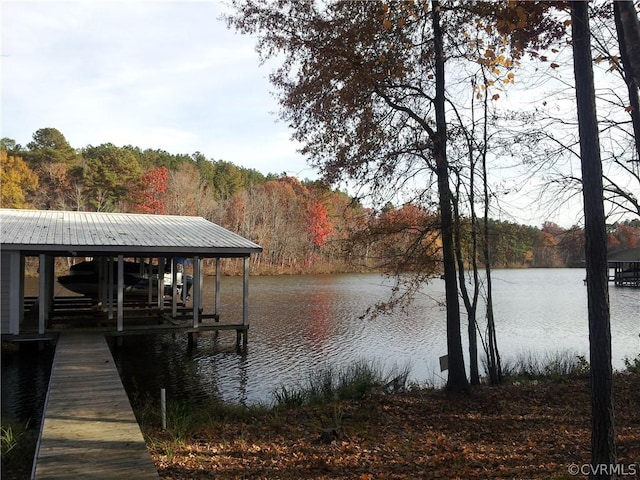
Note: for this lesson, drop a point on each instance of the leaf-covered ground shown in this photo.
(529, 431)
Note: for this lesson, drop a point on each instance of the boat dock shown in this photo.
(117, 262)
(81, 315)
(89, 430)
(626, 267)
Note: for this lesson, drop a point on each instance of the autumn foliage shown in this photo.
(153, 186)
(17, 181)
(320, 227)
(303, 226)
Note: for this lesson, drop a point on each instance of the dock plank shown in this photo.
(89, 429)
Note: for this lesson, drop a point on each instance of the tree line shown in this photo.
(303, 226)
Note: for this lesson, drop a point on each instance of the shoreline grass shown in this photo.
(329, 384)
(350, 382)
(531, 429)
(552, 366)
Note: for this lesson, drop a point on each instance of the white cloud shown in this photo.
(153, 74)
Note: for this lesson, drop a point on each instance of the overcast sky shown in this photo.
(160, 75)
(153, 74)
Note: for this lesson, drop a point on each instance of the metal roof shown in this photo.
(66, 232)
(628, 255)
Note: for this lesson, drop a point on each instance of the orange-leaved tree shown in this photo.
(16, 180)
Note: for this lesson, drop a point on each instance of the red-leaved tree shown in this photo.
(319, 224)
(154, 185)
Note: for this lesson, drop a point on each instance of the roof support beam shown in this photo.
(42, 293)
(110, 287)
(174, 286)
(197, 289)
(103, 289)
(184, 283)
(200, 279)
(150, 280)
(217, 292)
(16, 290)
(245, 292)
(46, 279)
(120, 292)
(160, 283)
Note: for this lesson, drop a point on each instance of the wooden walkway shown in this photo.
(89, 430)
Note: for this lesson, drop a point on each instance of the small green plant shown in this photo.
(179, 419)
(582, 368)
(358, 380)
(321, 385)
(331, 428)
(147, 411)
(289, 396)
(17, 447)
(9, 440)
(632, 366)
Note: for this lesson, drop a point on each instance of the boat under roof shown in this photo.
(110, 237)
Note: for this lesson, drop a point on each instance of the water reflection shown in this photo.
(302, 322)
(25, 380)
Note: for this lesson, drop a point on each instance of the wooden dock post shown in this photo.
(197, 290)
(217, 292)
(192, 340)
(241, 338)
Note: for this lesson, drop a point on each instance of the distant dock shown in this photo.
(89, 430)
(626, 267)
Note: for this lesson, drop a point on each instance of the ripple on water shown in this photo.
(301, 323)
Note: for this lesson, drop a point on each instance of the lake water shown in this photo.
(299, 323)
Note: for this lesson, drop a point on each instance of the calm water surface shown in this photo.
(301, 322)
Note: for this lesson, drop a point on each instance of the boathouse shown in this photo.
(112, 242)
(626, 267)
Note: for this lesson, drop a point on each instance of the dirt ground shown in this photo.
(533, 430)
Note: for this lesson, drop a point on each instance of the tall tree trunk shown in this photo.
(470, 302)
(632, 87)
(472, 328)
(493, 356)
(630, 29)
(457, 380)
(602, 431)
